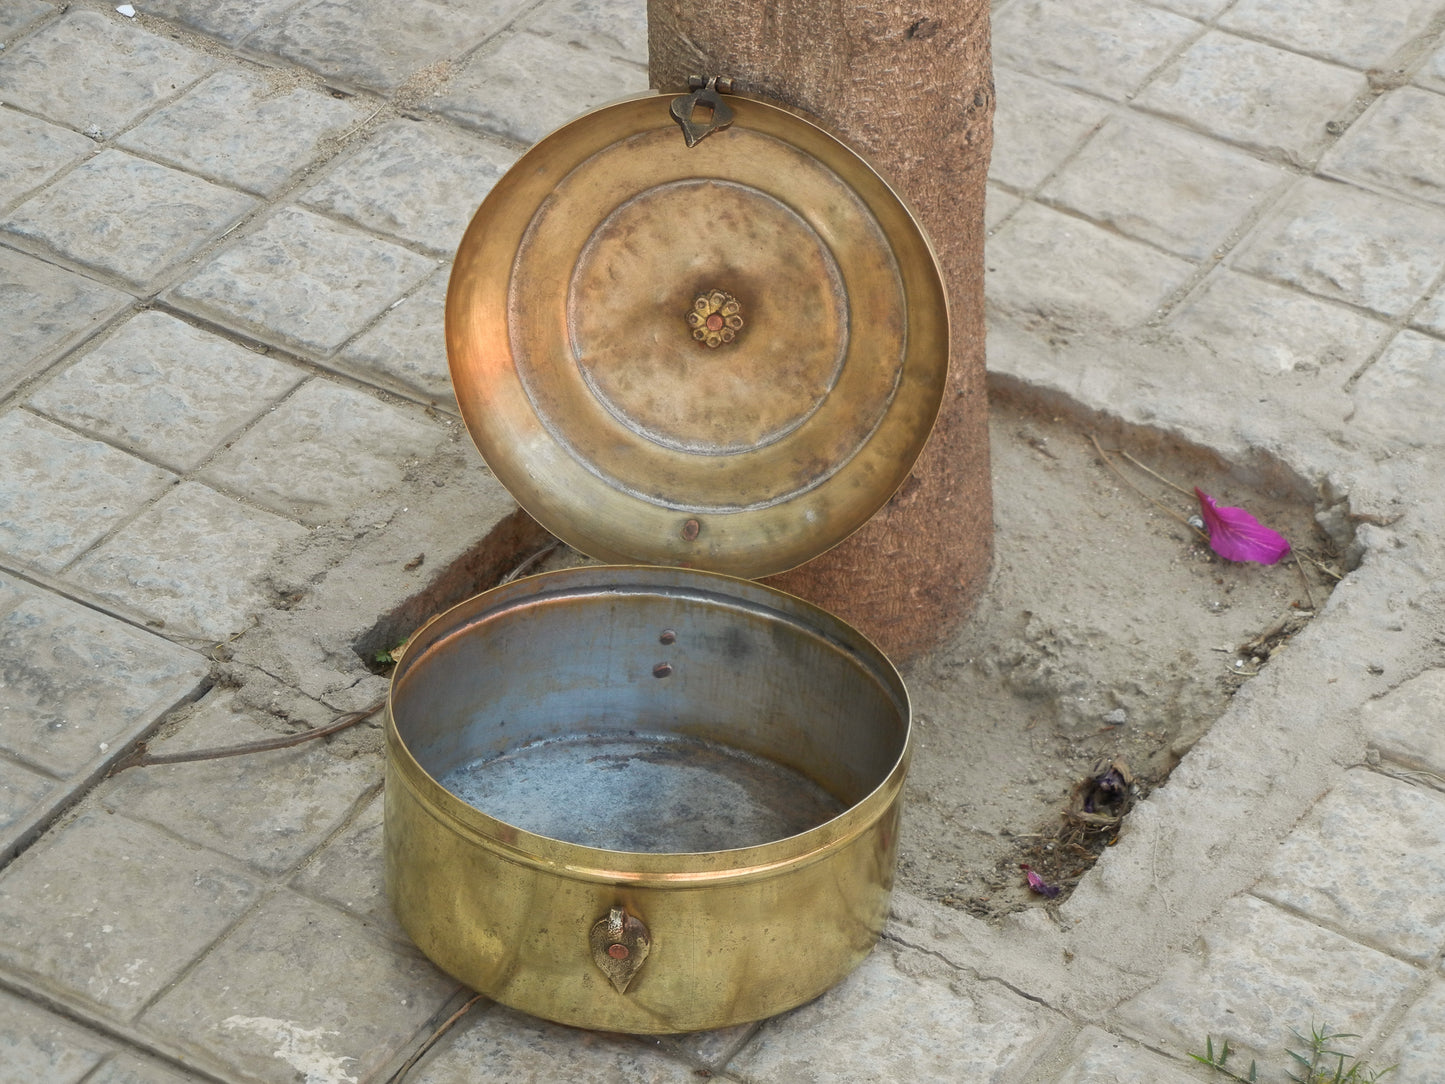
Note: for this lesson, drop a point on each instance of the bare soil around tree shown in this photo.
(1109, 635)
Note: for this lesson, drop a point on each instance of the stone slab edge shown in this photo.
(471, 532)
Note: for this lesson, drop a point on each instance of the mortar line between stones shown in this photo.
(81, 1015)
(1335, 928)
(267, 205)
(393, 1065)
(976, 976)
(44, 581)
(1053, 1057)
(76, 789)
(1398, 324)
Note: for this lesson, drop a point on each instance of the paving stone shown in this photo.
(998, 206)
(1036, 125)
(1417, 1047)
(1432, 72)
(714, 1049)
(1101, 1058)
(302, 280)
(61, 492)
(43, 310)
(271, 816)
(1255, 95)
(26, 800)
(17, 15)
(127, 216)
(126, 909)
(76, 685)
(301, 990)
(1395, 145)
(1154, 182)
(1068, 270)
(903, 1015)
(615, 27)
(127, 1068)
(1277, 330)
(498, 89)
(1360, 35)
(407, 351)
(1201, 10)
(1348, 245)
(414, 181)
(516, 1047)
(1258, 972)
(96, 73)
(228, 20)
(34, 152)
(194, 563)
(38, 1047)
(350, 872)
(1367, 862)
(244, 129)
(166, 390)
(1404, 723)
(1431, 315)
(1396, 399)
(1108, 47)
(324, 451)
(380, 45)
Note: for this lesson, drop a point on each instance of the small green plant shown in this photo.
(1319, 1064)
(386, 658)
(1316, 1063)
(1218, 1064)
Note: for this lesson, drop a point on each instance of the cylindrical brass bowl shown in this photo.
(643, 799)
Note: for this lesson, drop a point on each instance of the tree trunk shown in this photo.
(911, 88)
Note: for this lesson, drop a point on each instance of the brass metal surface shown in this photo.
(644, 942)
(581, 381)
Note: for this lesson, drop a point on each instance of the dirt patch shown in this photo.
(1109, 639)
(1109, 632)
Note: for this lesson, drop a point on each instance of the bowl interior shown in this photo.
(650, 718)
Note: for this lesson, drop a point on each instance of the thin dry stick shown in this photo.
(530, 561)
(141, 759)
(1153, 473)
(431, 1041)
(232, 639)
(1123, 478)
(1305, 580)
(1331, 573)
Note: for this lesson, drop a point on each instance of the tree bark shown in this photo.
(910, 87)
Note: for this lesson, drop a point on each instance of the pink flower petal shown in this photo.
(1237, 536)
(1038, 884)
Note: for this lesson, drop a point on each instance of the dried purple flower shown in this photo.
(1237, 536)
(1038, 884)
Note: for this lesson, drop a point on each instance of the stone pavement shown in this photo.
(232, 459)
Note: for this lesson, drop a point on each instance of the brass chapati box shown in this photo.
(701, 339)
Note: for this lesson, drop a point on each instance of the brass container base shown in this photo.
(643, 799)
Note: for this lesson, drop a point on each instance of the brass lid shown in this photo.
(724, 355)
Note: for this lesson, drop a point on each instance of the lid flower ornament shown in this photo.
(715, 318)
(1236, 535)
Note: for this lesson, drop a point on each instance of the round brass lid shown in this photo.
(723, 356)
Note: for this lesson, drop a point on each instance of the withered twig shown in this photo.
(1154, 473)
(1306, 581)
(255, 620)
(400, 1074)
(1331, 573)
(1123, 478)
(530, 561)
(142, 759)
